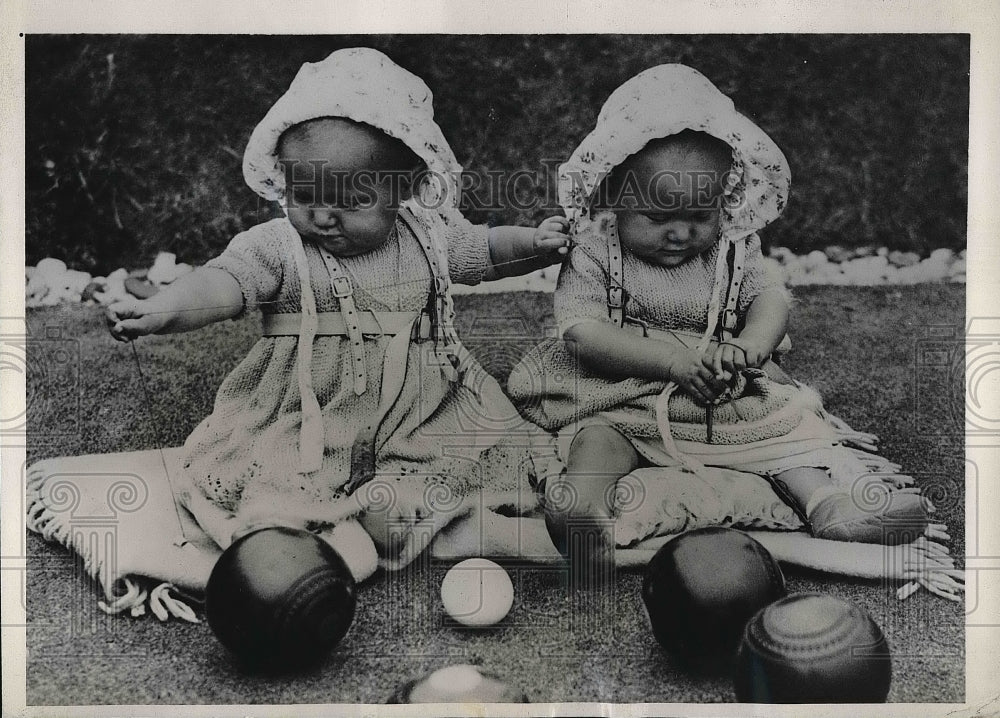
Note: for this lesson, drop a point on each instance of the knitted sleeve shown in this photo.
(468, 247)
(254, 259)
(582, 291)
(758, 276)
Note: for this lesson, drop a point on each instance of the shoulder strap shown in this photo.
(446, 342)
(437, 263)
(737, 267)
(365, 444)
(616, 289)
(343, 290)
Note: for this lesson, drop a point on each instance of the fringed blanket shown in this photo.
(125, 515)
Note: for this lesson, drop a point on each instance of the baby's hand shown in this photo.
(130, 319)
(737, 354)
(695, 376)
(552, 239)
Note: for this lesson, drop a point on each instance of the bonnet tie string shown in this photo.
(311, 434)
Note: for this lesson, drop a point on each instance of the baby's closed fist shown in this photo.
(738, 354)
(552, 238)
(130, 319)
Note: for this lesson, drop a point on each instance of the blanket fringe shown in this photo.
(863, 449)
(928, 563)
(160, 602)
(136, 597)
(44, 521)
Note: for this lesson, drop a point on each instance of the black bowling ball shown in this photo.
(701, 588)
(280, 599)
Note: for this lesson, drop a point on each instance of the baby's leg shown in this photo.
(871, 514)
(802, 483)
(355, 546)
(579, 504)
(388, 530)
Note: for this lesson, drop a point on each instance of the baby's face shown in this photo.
(669, 202)
(338, 193)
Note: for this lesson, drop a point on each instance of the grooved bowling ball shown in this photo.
(280, 599)
(458, 684)
(701, 588)
(813, 648)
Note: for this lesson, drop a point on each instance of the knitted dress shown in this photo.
(244, 457)
(782, 422)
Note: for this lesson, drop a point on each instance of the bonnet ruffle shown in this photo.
(663, 101)
(363, 85)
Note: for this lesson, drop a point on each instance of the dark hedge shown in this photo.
(134, 144)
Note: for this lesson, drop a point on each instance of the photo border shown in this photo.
(980, 19)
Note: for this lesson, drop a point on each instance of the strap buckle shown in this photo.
(342, 287)
(439, 304)
(729, 319)
(422, 328)
(616, 297)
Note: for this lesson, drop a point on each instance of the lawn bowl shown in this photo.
(813, 648)
(701, 588)
(280, 599)
(458, 684)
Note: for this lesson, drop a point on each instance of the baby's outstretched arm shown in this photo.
(518, 250)
(614, 352)
(206, 295)
(766, 324)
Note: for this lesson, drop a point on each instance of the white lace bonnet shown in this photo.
(663, 101)
(363, 85)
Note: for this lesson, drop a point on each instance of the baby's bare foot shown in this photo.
(583, 532)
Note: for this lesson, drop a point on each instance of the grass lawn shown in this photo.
(860, 347)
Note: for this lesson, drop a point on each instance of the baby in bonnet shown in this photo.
(358, 407)
(669, 321)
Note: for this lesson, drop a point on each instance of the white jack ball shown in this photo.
(477, 592)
